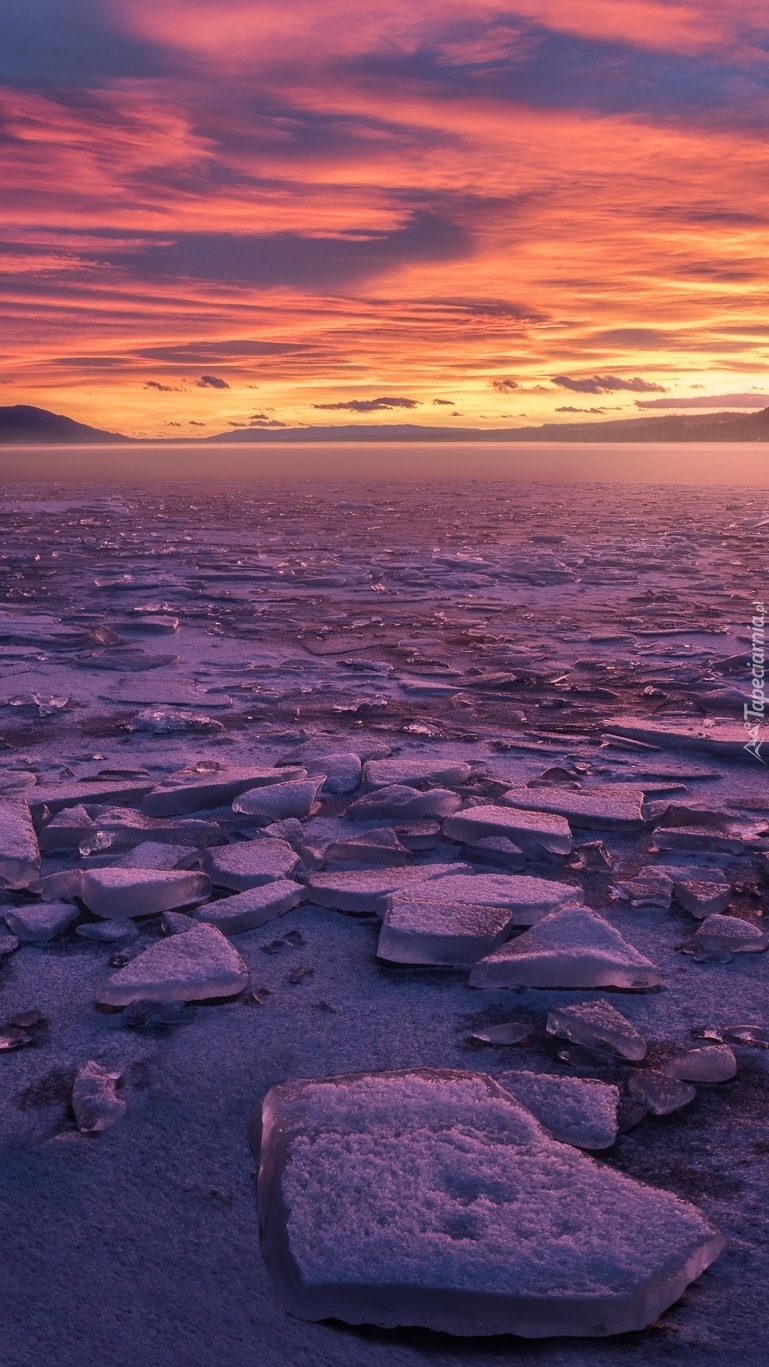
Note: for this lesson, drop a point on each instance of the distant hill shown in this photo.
(22, 425)
(671, 427)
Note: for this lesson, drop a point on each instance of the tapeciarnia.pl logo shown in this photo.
(754, 711)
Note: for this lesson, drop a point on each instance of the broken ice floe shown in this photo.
(418, 931)
(19, 852)
(277, 801)
(388, 773)
(193, 789)
(401, 803)
(549, 831)
(597, 1025)
(253, 908)
(120, 893)
(192, 967)
(38, 924)
(659, 1093)
(571, 948)
(578, 1111)
(702, 1063)
(249, 863)
(431, 1197)
(729, 935)
(171, 721)
(619, 807)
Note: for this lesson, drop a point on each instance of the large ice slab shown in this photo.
(527, 898)
(401, 803)
(574, 947)
(702, 897)
(717, 737)
(278, 801)
(384, 773)
(192, 967)
(129, 828)
(57, 796)
(341, 770)
(618, 807)
(380, 847)
(578, 1111)
(522, 827)
(253, 908)
(249, 863)
(40, 922)
(154, 692)
(364, 890)
(431, 1197)
(452, 934)
(190, 790)
(116, 893)
(19, 852)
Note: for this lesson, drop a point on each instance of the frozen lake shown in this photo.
(573, 658)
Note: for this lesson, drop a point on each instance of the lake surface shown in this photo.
(728, 463)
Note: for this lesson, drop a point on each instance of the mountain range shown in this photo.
(23, 425)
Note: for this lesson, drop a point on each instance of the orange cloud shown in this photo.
(319, 200)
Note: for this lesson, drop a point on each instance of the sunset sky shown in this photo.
(243, 212)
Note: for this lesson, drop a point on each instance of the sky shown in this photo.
(233, 213)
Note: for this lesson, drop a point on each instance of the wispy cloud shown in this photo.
(607, 384)
(369, 405)
(708, 401)
(211, 382)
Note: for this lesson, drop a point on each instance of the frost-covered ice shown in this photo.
(365, 890)
(522, 827)
(454, 934)
(702, 897)
(154, 854)
(249, 863)
(731, 935)
(193, 789)
(647, 889)
(66, 830)
(597, 1025)
(341, 770)
(431, 1197)
(118, 893)
(659, 1092)
(401, 803)
(573, 947)
(38, 924)
(525, 896)
(108, 932)
(387, 773)
(253, 908)
(277, 801)
(191, 967)
(19, 851)
(617, 808)
(578, 1111)
(375, 847)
